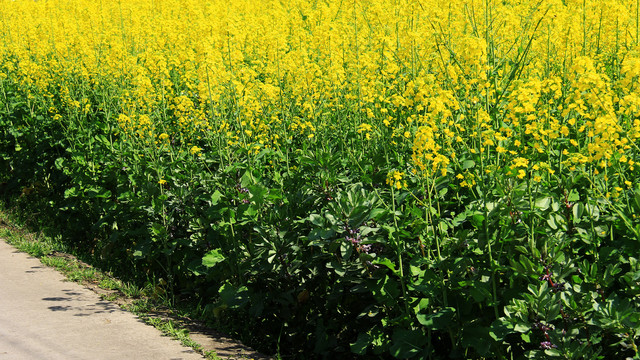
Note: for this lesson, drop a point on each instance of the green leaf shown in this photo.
(479, 292)
(386, 262)
(573, 196)
(195, 267)
(459, 219)
(378, 213)
(98, 193)
(476, 337)
(59, 163)
(72, 192)
(553, 352)
(407, 343)
(215, 197)
(246, 179)
(324, 234)
(500, 328)
(360, 346)
(316, 220)
(158, 230)
(593, 211)
(212, 258)
(438, 320)
(234, 296)
(258, 193)
(345, 250)
(522, 327)
(468, 164)
(543, 203)
(477, 220)
(578, 210)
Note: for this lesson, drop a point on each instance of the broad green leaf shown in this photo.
(158, 230)
(477, 220)
(258, 193)
(324, 234)
(477, 338)
(592, 210)
(215, 197)
(500, 328)
(438, 320)
(573, 195)
(522, 327)
(386, 262)
(59, 163)
(71, 192)
(578, 210)
(407, 343)
(345, 250)
(316, 220)
(553, 352)
(212, 258)
(543, 203)
(378, 213)
(234, 296)
(360, 346)
(98, 193)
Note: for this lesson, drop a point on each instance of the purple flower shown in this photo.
(545, 277)
(547, 345)
(542, 327)
(353, 240)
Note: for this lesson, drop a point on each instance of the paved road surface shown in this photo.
(45, 318)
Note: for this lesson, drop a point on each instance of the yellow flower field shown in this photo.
(439, 77)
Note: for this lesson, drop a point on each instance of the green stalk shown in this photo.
(399, 251)
(485, 225)
(236, 249)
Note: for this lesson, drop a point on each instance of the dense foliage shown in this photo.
(409, 179)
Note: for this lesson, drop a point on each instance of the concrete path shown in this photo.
(45, 318)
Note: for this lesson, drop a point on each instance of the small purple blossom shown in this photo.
(353, 236)
(547, 345)
(241, 189)
(542, 327)
(374, 266)
(352, 240)
(558, 286)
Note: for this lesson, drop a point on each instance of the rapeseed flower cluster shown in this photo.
(531, 81)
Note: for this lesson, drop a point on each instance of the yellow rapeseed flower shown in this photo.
(394, 179)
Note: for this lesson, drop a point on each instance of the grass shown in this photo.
(173, 329)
